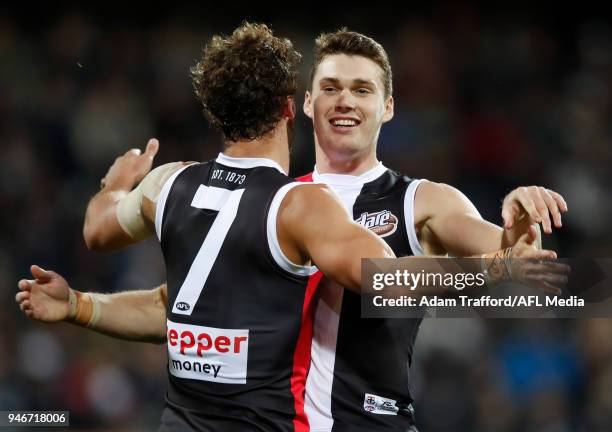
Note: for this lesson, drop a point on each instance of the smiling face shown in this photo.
(348, 106)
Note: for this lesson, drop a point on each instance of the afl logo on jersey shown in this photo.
(383, 223)
(182, 306)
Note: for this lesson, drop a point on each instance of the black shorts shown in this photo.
(176, 419)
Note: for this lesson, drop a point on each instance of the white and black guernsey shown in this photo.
(238, 310)
(359, 376)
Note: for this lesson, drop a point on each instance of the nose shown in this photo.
(345, 101)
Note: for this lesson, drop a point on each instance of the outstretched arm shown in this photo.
(131, 315)
(448, 222)
(118, 215)
(102, 229)
(313, 225)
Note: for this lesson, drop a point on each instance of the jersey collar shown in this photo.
(349, 180)
(248, 162)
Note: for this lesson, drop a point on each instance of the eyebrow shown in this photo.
(359, 81)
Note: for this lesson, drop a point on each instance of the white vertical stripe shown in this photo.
(161, 201)
(317, 403)
(409, 217)
(207, 255)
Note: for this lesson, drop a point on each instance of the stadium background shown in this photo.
(486, 99)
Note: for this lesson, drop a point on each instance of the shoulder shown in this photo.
(432, 198)
(309, 201)
(436, 192)
(310, 194)
(429, 190)
(155, 180)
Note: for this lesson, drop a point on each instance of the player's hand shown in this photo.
(537, 267)
(535, 202)
(128, 170)
(46, 297)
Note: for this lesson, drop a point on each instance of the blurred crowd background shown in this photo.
(486, 99)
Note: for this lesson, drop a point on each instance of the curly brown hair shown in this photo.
(348, 42)
(243, 81)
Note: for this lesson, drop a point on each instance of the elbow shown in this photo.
(353, 282)
(91, 240)
(94, 239)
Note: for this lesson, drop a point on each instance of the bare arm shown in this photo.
(448, 222)
(131, 315)
(313, 225)
(117, 217)
(102, 230)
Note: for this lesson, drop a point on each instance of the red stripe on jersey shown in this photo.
(301, 357)
(305, 178)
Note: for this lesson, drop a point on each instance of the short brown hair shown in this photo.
(243, 81)
(348, 42)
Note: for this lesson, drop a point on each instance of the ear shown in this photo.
(388, 115)
(289, 109)
(308, 104)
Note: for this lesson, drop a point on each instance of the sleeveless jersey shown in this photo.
(359, 376)
(238, 311)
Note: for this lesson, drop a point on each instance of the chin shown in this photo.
(345, 149)
(351, 145)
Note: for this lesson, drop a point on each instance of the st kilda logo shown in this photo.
(383, 223)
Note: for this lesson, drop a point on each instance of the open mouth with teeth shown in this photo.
(344, 123)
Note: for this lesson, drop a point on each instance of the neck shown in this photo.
(272, 146)
(342, 164)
